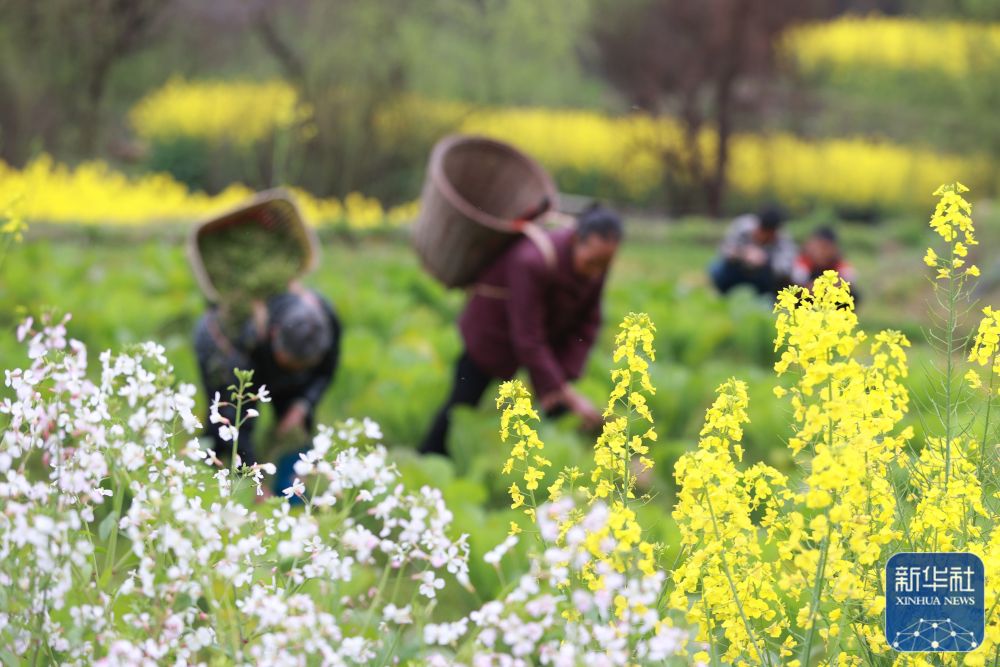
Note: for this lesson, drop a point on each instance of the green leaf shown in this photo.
(105, 527)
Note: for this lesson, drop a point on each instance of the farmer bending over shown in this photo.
(538, 307)
(755, 252)
(291, 343)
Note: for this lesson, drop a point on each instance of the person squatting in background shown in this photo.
(537, 307)
(756, 252)
(821, 252)
(292, 344)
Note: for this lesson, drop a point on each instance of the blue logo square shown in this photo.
(935, 602)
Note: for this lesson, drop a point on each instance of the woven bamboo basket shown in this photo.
(478, 195)
(274, 210)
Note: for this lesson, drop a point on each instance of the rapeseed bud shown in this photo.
(618, 445)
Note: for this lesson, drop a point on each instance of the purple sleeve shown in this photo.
(527, 279)
(573, 356)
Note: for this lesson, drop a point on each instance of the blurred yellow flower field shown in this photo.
(951, 47)
(239, 112)
(852, 171)
(94, 193)
(623, 150)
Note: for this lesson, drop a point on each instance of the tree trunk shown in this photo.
(715, 185)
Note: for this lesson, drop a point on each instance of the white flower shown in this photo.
(443, 634)
(258, 470)
(372, 430)
(399, 616)
(263, 395)
(24, 329)
(296, 489)
(213, 411)
(430, 584)
(494, 556)
(229, 433)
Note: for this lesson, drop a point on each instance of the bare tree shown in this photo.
(58, 57)
(351, 69)
(695, 59)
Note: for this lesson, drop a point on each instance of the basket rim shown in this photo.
(260, 200)
(467, 208)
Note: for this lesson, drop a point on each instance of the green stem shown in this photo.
(390, 649)
(110, 553)
(712, 652)
(807, 651)
(732, 585)
(950, 336)
(986, 426)
(236, 435)
(378, 596)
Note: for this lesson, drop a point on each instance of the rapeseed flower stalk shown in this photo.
(621, 449)
(729, 583)
(985, 347)
(776, 571)
(594, 591)
(952, 221)
(826, 537)
(619, 452)
(515, 402)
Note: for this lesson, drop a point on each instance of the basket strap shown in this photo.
(542, 241)
(215, 331)
(544, 244)
(261, 319)
(489, 291)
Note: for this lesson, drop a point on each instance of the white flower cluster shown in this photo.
(124, 542)
(553, 617)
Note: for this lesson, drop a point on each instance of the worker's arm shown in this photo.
(323, 372)
(573, 355)
(734, 243)
(528, 279)
(217, 357)
(783, 259)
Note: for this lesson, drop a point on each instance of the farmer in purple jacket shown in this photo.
(537, 307)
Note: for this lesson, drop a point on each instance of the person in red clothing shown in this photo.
(821, 252)
(537, 307)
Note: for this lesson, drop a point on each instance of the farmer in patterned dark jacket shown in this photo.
(292, 343)
(537, 307)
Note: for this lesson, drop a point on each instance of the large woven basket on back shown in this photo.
(273, 211)
(477, 196)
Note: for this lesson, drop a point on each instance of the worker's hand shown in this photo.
(754, 255)
(295, 418)
(590, 417)
(553, 400)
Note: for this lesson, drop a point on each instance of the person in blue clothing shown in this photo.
(292, 344)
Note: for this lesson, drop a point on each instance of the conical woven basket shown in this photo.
(477, 196)
(274, 210)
